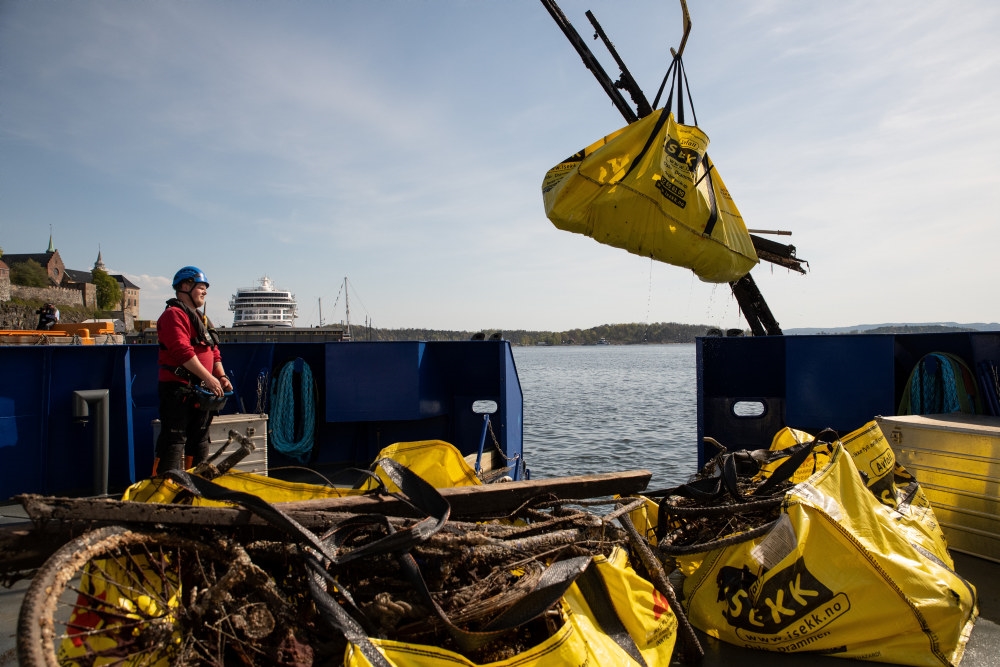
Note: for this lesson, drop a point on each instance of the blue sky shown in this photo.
(403, 144)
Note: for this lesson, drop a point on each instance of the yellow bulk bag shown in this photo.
(790, 437)
(651, 189)
(839, 573)
(643, 612)
(437, 462)
(270, 489)
(897, 489)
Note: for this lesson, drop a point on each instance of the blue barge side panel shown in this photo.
(750, 388)
(369, 395)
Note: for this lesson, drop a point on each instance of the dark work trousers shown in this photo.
(183, 428)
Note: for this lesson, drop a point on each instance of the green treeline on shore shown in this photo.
(18, 314)
(614, 334)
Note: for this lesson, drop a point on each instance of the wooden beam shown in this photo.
(493, 500)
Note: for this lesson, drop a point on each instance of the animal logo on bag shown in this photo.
(791, 607)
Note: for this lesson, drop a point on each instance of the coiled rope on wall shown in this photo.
(293, 419)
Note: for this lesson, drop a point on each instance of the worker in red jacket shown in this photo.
(189, 359)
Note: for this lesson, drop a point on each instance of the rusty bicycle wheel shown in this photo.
(118, 596)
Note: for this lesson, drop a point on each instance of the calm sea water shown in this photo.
(607, 408)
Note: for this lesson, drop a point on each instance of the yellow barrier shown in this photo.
(81, 335)
(31, 332)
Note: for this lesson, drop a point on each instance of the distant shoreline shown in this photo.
(643, 334)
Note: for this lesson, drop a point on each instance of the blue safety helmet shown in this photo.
(189, 273)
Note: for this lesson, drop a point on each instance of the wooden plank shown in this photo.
(494, 499)
(466, 502)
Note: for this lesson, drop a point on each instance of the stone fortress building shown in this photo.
(68, 287)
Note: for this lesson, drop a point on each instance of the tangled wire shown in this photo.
(737, 496)
(473, 572)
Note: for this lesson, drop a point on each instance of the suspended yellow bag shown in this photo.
(581, 640)
(847, 570)
(651, 189)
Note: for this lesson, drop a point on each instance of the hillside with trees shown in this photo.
(615, 334)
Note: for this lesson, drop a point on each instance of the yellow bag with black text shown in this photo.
(651, 189)
(854, 567)
(888, 481)
(581, 640)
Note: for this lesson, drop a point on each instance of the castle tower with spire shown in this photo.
(71, 280)
(49, 260)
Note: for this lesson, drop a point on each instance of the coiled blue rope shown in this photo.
(283, 410)
(940, 383)
(935, 386)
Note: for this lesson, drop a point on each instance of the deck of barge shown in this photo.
(982, 650)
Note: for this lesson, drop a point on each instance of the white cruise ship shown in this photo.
(263, 306)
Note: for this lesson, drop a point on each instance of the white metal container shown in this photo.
(956, 459)
(253, 426)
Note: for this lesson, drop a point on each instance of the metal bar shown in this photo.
(590, 62)
(687, 30)
(754, 308)
(626, 81)
(778, 232)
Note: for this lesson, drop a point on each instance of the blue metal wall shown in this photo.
(43, 449)
(369, 395)
(812, 382)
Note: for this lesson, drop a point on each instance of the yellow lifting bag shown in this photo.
(840, 573)
(651, 189)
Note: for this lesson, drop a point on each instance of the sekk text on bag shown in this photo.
(849, 569)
